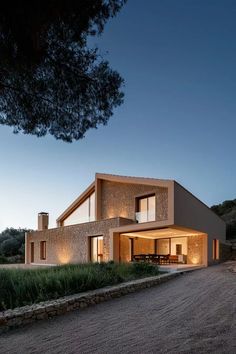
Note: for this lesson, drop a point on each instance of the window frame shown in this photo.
(91, 212)
(102, 254)
(215, 249)
(137, 204)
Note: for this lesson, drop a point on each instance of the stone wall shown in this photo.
(195, 249)
(226, 252)
(118, 199)
(44, 310)
(71, 244)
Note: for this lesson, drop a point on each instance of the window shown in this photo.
(131, 248)
(97, 249)
(84, 213)
(216, 249)
(175, 246)
(42, 250)
(146, 209)
(178, 249)
(32, 252)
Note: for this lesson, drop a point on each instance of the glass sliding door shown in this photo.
(97, 249)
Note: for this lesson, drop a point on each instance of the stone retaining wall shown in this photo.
(44, 310)
(225, 252)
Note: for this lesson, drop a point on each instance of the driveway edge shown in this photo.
(28, 314)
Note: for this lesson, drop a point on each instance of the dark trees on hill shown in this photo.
(50, 80)
(12, 242)
(227, 211)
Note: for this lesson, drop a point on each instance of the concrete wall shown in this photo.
(192, 213)
(118, 199)
(70, 244)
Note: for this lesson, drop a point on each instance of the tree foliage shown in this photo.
(227, 211)
(50, 80)
(12, 242)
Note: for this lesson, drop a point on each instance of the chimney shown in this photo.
(43, 221)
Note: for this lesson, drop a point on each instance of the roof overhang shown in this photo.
(134, 180)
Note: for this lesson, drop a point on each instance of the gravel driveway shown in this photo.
(194, 313)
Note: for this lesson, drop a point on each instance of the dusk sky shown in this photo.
(178, 59)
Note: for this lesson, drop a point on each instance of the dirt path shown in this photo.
(194, 313)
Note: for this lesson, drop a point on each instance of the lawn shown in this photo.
(19, 287)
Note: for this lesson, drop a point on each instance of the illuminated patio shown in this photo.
(171, 247)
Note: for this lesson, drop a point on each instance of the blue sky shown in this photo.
(178, 120)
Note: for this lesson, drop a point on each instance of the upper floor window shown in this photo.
(146, 209)
(84, 213)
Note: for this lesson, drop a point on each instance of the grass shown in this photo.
(20, 287)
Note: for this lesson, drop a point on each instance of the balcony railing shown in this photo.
(145, 216)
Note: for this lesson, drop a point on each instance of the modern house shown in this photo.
(130, 218)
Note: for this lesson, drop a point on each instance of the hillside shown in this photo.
(227, 211)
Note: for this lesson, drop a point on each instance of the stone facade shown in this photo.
(116, 202)
(118, 199)
(195, 249)
(70, 244)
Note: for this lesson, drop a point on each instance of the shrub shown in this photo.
(3, 260)
(143, 268)
(20, 287)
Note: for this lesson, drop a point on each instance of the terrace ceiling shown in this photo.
(163, 233)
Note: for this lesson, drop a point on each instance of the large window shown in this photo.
(97, 249)
(146, 209)
(84, 213)
(176, 246)
(42, 250)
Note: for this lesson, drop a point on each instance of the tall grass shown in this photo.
(19, 287)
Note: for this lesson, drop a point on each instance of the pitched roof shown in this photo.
(131, 179)
(112, 178)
